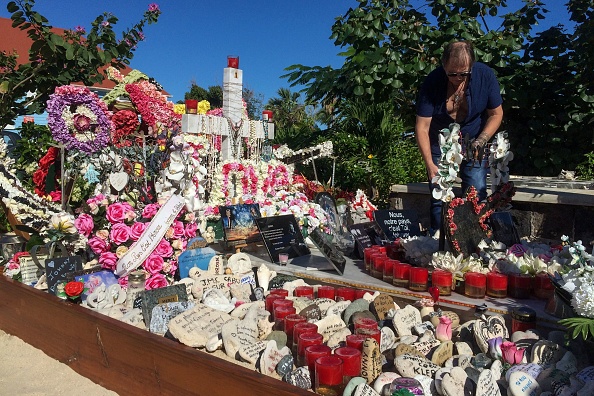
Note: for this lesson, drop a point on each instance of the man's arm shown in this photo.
(422, 136)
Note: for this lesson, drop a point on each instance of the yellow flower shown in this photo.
(203, 106)
(179, 108)
(370, 156)
(63, 222)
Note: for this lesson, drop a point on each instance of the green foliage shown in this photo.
(585, 169)
(253, 101)
(546, 80)
(214, 95)
(579, 327)
(32, 145)
(60, 59)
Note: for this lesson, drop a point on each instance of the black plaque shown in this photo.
(398, 223)
(58, 268)
(504, 228)
(281, 234)
(366, 235)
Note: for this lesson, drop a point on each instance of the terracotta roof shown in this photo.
(15, 39)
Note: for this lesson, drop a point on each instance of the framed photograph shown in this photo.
(239, 222)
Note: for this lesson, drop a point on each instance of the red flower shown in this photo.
(74, 289)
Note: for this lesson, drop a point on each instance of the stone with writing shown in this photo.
(257, 314)
(251, 353)
(271, 357)
(338, 308)
(349, 389)
(356, 306)
(427, 383)
(219, 282)
(529, 368)
(551, 377)
(338, 338)
(300, 303)
(586, 374)
(522, 384)
(151, 298)
(300, 378)
(238, 333)
(189, 283)
(568, 363)
(546, 353)
(388, 339)
(488, 327)
(405, 319)
(312, 312)
(216, 265)
(324, 304)
(426, 343)
(197, 325)
(408, 339)
(442, 353)
(459, 361)
(365, 390)
(463, 348)
(381, 305)
(423, 327)
(456, 383)
(402, 348)
(242, 310)
(285, 365)
(371, 360)
(450, 314)
(329, 325)
(568, 389)
(487, 385)
(382, 384)
(163, 313)
(241, 292)
(438, 379)
(496, 369)
(217, 299)
(410, 365)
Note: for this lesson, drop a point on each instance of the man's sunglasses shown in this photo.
(463, 74)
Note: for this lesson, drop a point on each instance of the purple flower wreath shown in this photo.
(89, 115)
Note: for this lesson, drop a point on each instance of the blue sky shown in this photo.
(192, 39)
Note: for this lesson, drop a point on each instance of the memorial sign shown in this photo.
(239, 224)
(366, 235)
(398, 223)
(281, 234)
(57, 269)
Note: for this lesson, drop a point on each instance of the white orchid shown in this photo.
(449, 163)
(499, 158)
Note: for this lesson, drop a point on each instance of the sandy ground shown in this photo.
(27, 371)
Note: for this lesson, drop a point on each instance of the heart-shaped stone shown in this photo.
(489, 327)
(119, 180)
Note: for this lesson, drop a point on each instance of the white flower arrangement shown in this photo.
(321, 150)
(449, 163)
(499, 158)
(457, 265)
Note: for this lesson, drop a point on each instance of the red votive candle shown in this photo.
(365, 323)
(304, 291)
(443, 281)
(329, 376)
(314, 352)
(370, 333)
(496, 285)
(281, 302)
(401, 274)
(418, 277)
(233, 61)
(280, 313)
(269, 300)
(523, 318)
(290, 322)
(367, 257)
(377, 265)
(191, 106)
(519, 285)
(302, 328)
(543, 287)
(359, 293)
(305, 340)
(355, 340)
(345, 293)
(389, 270)
(475, 284)
(267, 115)
(280, 292)
(351, 360)
(326, 292)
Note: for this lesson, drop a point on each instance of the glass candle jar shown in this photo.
(355, 341)
(280, 292)
(519, 285)
(367, 257)
(418, 279)
(280, 313)
(302, 328)
(281, 302)
(496, 285)
(359, 293)
(326, 292)
(389, 270)
(351, 361)
(136, 280)
(305, 340)
(345, 293)
(314, 352)
(269, 300)
(290, 321)
(377, 265)
(370, 333)
(304, 291)
(475, 284)
(523, 318)
(401, 274)
(543, 287)
(443, 281)
(328, 379)
(191, 106)
(365, 323)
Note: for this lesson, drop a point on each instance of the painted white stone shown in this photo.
(410, 365)
(496, 369)
(439, 379)
(338, 308)
(329, 325)
(197, 325)
(428, 384)
(546, 353)
(456, 383)
(462, 361)
(271, 356)
(388, 339)
(338, 338)
(489, 327)
(522, 384)
(487, 385)
(237, 334)
(365, 390)
(384, 380)
(405, 319)
(463, 348)
(216, 299)
(531, 369)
